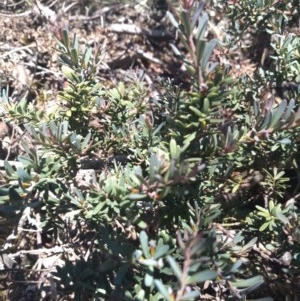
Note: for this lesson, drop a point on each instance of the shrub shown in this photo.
(181, 197)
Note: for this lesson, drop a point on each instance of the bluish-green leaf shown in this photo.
(254, 281)
(65, 37)
(250, 244)
(74, 55)
(137, 196)
(144, 244)
(86, 140)
(289, 109)
(162, 289)
(189, 296)
(285, 141)
(236, 265)
(172, 19)
(201, 27)
(160, 251)
(98, 208)
(149, 278)
(8, 169)
(200, 47)
(264, 227)
(209, 48)
(201, 277)
(278, 113)
(23, 175)
(256, 108)
(266, 121)
(148, 262)
(176, 269)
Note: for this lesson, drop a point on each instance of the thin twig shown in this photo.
(24, 14)
(16, 49)
(292, 200)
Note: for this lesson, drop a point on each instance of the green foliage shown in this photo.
(182, 197)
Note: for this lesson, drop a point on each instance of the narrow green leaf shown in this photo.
(8, 169)
(23, 175)
(209, 48)
(201, 277)
(154, 167)
(65, 37)
(75, 42)
(238, 238)
(206, 105)
(27, 162)
(137, 196)
(196, 15)
(157, 130)
(285, 141)
(52, 126)
(162, 289)
(197, 112)
(74, 55)
(201, 27)
(236, 265)
(172, 19)
(289, 109)
(262, 209)
(229, 136)
(256, 108)
(278, 213)
(176, 269)
(65, 126)
(176, 50)
(264, 214)
(144, 244)
(148, 262)
(278, 113)
(174, 153)
(98, 208)
(208, 219)
(264, 226)
(148, 278)
(86, 140)
(212, 67)
(250, 244)
(184, 16)
(189, 138)
(58, 135)
(271, 205)
(266, 121)
(87, 56)
(142, 225)
(200, 47)
(190, 296)
(160, 251)
(257, 280)
(140, 295)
